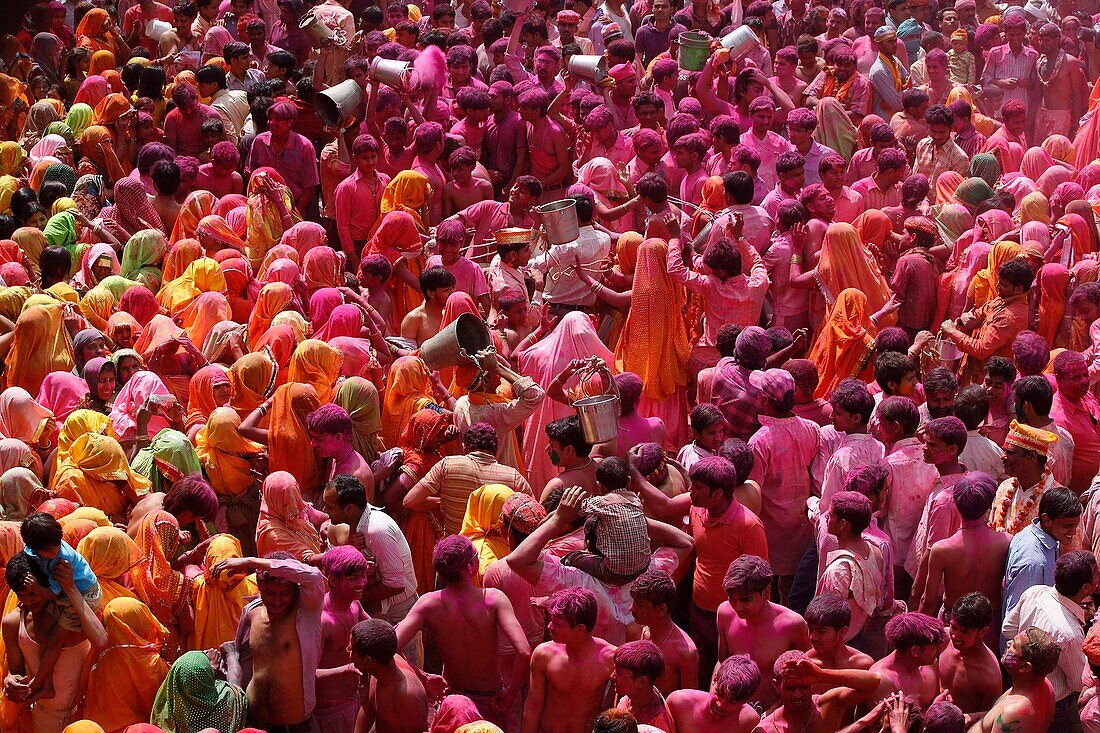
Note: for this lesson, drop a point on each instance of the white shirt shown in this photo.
(391, 553)
(1045, 608)
(591, 246)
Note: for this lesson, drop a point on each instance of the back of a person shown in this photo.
(462, 475)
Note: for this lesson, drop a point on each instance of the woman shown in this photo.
(141, 387)
(408, 389)
(286, 522)
(100, 378)
(126, 674)
(111, 553)
(167, 459)
(96, 306)
(131, 212)
(600, 176)
(220, 596)
(270, 212)
(232, 463)
(846, 342)
(180, 257)
(986, 167)
(141, 304)
(344, 321)
(287, 438)
(157, 585)
(141, 257)
(202, 314)
(1053, 281)
(972, 193)
(272, 300)
(95, 472)
(1034, 207)
(197, 206)
(876, 231)
(409, 192)
(192, 699)
(23, 418)
(170, 355)
(17, 491)
(845, 263)
(39, 345)
(204, 275)
(482, 524)
(317, 364)
(305, 236)
(397, 235)
(983, 288)
(88, 344)
(61, 393)
(360, 398)
(210, 389)
(322, 267)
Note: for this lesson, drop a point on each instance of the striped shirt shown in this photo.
(1002, 64)
(874, 197)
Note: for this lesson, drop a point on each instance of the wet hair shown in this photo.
(890, 159)
(715, 472)
(998, 366)
(912, 629)
(1073, 571)
(656, 587)
(736, 678)
(1058, 503)
(19, 567)
(452, 557)
(1067, 360)
(330, 419)
(349, 491)
(40, 531)
(943, 717)
(913, 98)
(1017, 272)
(939, 114)
(805, 373)
(615, 720)
(376, 265)
(973, 611)
(789, 162)
(829, 610)
(851, 395)
(339, 562)
(612, 473)
(725, 128)
(1041, 650)
(567, 431)
(166, 177)
(641, 658)
(891, 366)
(973, 495)
(576, 606)
(434, 278)
(192, 494)
(972, 405)
(748, 574)
(914, 189)
(852, 507)
(900, 410)
(481, 436)
(376, 639)
(740, 454)
(1035, 391)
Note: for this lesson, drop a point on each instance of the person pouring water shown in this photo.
(561, 289)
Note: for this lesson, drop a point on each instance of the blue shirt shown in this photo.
(82, 571)
(1031, 558)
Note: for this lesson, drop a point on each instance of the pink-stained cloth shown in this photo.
(61, 393)
(141, 386)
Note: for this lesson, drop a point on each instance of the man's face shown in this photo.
(642, 611)
(367, 161)
(1062, 529)
(949, 23)
(278, 127)
(833, 179)
(794, 180)
(940, 134)
(1018, 461)
(762, 119)
(349, 586)
(963, 639)
(239, 65)
(712, 436)
(721, 707)
(278, 597)
(704, 497)
(798, 135)
(498, 102)
(395, 16)
(647, 116)
(440, 295)
(207, 89)
(35, 597)
(901, 12)
(747, 605)
(328, 445)
(330, 505)
(626, 684)
(519, 197)
(1014, 37)
(887, 44)
(845, 69)
(968, 17)
(836, 24)
(568, 30)
(874, 19)
(1073, 380)
(256, 34)
(359, 76)
(843, 421)
(937, 69)
(447, 22)
(684, 158)
(995, 388)
(940, 404)
(448, 251)
(460, 71)
(794, 693)
(662, 10)
(560, 630)
(1049, 43)
(825, 638)
(405, 38)
(274, 71)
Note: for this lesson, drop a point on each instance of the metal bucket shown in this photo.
(559, 220)
(947, 349)
(588, 68)
(518, 7)
(154, 29)
(337, 103)
(694, 50)
(456, 344)
(740, 42)
(599, 415)
(318, 32)
(397, 74)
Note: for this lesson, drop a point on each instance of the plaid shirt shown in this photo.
(932, 161)
(620, 531)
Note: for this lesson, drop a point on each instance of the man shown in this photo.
(1075, 410)
(654, 597)
(790, 170)
(938, 153)
(135, 18)
(345, 569)
(967, 668)
(548, 143)
(828, 619)
(916, 640)
(241, 76)
(231, 106)
(801, 124)
(966, 135)
(183, 125)
(1011, 66)
(358, 199)
(1062, 88)
(763, 140)
(1058, 612)
(994, 324)
(1033, 398)
(852, 408)
(856, 569)
(393, 593)
(842, 82)
(489, 216)
(569, 673)
(888, 77)
(1025, 464)
(282, 631)
(847, 202)
(883, 187)
(291, 154)
(504, 150)
(657, 31)
(724, 707)
(796, 675)
(454, 478)
(1034, 551)
(564, 291)
(395, 700)
(331, 56)
(1028, 705)
(483, 406)
(466, 622)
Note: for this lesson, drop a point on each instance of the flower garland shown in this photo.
(1004, 506)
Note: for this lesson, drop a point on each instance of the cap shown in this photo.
(960, 35)
(611, 31)
(523, 513)
(776, 383)
(622, 72)
(884, 31)
(921, 224)
(1029, 438)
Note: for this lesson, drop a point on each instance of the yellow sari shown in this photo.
(983, 288)
(88, 473)
(40, 345)
(843, 348)
(110, 553)
(482, 525)
(316, 363)
(219, 598)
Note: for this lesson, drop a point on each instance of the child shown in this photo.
(220, 176)
(653, 595)
(638, 665)
(613, 480)
(463, 189)
(213, 132)
(960, 62)
(166, 182)
(1000, 375)
(806, 378)
(981, 453)
(855, 570)
(708, 426)
(396, 700)
(475, 104)
(397, 156)
(688, 154)
(374, 271)
(512, 322)
(331, 432)
(828, 618)
(346, 570)
(450, 239)
(42, 542)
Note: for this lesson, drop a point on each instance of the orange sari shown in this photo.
(422, 529)
(846, 263)
(844, 346)
(1053, 283)
(316, 363)
(397, 236)
(288, 439)
(272, 300)
(40, 345)
(219, 597)
(983, 288)
(156, 584)
(284, 523)
(408, 389)
(110, 553)
(253, 378)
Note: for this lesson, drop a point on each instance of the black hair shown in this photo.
(1057, 503)
(1035, 391)
(739, 187)
(1073, 571)
(434, 278)
(40, 531)
(1017, 272)
(166, 177)
(973, 611)
(972, 405)
(349, 490)
(585, 209)
(211, 75)
(568, 432)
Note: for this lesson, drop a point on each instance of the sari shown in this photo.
(483, 526)
(219, 598)
(8, 186)
(12, 300)
(344, 321)
(835, 129)
(40, 345)
(126, 674)
(272, 300)
(946, 185)
(1053, 285)
(23, 418)
(204, 275)
(77, 525)
(284, 524)
(224, 454)
(1081, 235)
(983, 288)
(398, 240)
(203, 313)
(846, 342)
(156, 584)
(61, 394)
(281, 341)
(409, 192)
(422, 529)
(195, 207)
(408, 390)
(240, 288)
(140, 303)
(87, 474)
(1054, 177)
(973, 192)
(459, 379)
(80, 117)
(17, 489)
(1061, 149)
(192, 696)
(600, 176)
(131, 397)
(201, 401)
(93, 90)
(253, 378)
(845, 263)
(46, 147)
(14, 453)
(132, 210)
(986, 167)
(1034, 207)
(454, 712)
(97, 306)
(265, 225)
(654, 343)
(180, 256)
(110, 553)
(288, 440)
(140, 257)
(81, 422)
(359, 357)
(33, 243)
(278, 252)
(168, 458)
(317, 364)
(321, 304)
(1036, 161)
(359, 397)
(216, 235)
(12, 156)
(304, 236)
(322, 267)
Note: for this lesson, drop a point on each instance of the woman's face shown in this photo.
(94, 349)
(100, 272)
(37, 220)
(222, 394)
(124, 337)
(39, 88)
(127, 367)
(105, 385)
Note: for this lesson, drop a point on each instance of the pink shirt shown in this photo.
(790, 305)
(620, 152)
(183, 133)
(874, 197)
(485, 218)
(691, 187)
(737, 300)
(858, 449)
(1080, 420)
(849, 205)
(909, 482)
(939, 520)
(769, 149)
(469, 278)
(357, 205)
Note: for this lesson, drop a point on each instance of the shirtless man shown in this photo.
(466, 623)
(1063, 89)
(395, 699)
(422, 322)
(346, 570)
(428, 144)
(374, 271)
(570, 673)
(166, 182)
(654, 596)
(751, 623)
(548, 143)
(331, 433)
(724, 708)
(971, 559)
(827, 619)
(967, 668)
(917, 640)
(571, 454)
(191, 501)
(800, 711)
(282, 688)
(1028, 705)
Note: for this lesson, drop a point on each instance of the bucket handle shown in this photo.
(481, 372)
(596, 366)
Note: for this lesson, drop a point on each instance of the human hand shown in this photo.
(547, 321)
(948, 327)
(144, 413)
(800, 234)
(185, 537)
(436, 686)
(735, 225)
(17, 687)
(897, 713)
(232, 564)
(63, 573)
(801, 336)
(569, 509)
(503, 700)
(922, 339)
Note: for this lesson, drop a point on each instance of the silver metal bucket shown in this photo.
(397, 74)
(337, 103)
(599, 415)
(319, 33)
(588, 67)
(457, 344)
(559, 221)
(740, 42)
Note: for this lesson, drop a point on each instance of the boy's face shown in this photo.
(711, 437)
(210, 138)
(747, 605)
(367, 162)
(516, 315)
(462, 174)
(825, 638)
(958, 45)
(844, 421)
(647, 115)
(906, 386)
(396, 139)
(49, 553)
(348, 586)
(936, 451)
(460, 70)
(994, 387)
(439, 295)
(627, 684)
(649, 154)
(722, 707)
(328, 445)
(684, 158)
(448, 252)
(963, 638)
(643, 611)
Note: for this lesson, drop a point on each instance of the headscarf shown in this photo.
(1034, 207)
(845, 263)
(23, 418)
(203, 313)
(8, 186)
(254, 379)
(87, 474)
(1053, 178)
(304, 236)
(197, 205)
(359, 397)
(14, 453)
(844, 345)
(131, 397)
(93, 90)
(408, 389)
(44, 49)
(973, 192)
(454, 712)
(38, 172)
(40, 345)
(80, 118)
(983, 288)
(201, 401)
(141, 255)
(241, 289)
(61, 393)
(224, 452)
(127, 673)
(288, 439)
(409, 191)
(179, 257)
(316, 363)
(220, 597)
(161, 588)
(215, 234)
(110, 553)
(834, 127)
(86, 278)
(132, 210)
(321, 304)
(273, 299)
(111, 107)
(284, 523)
(192, 699)
(46, 147)
(987, 167)
(323, 267)
(265, 225)
(204, 275)
(41, 114)
(141, 304)
(482, 525)
(168, 458)
(1036, 161)
(76, 526)
(81, 422)
(17, 487)
(946, 185)
(358, 356)
(1061, 149)
(1053, 283)
(12, 156)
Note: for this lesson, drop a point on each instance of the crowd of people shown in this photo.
(553, 367)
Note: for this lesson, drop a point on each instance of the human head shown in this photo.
(373, 644)
(573, 613)
(944, 440)
(437, 284)
(638, 667)
(455, 559)
(916, 636)
(940, 386)
(567, 444)
(733, 683)
(748, 584)
(895, 373)
(828, 617)
(1060, 513)
(653, 597)
(852, 406)
(1031, 353)
(708, 425)
(192, 499)
(713, 479)
(344, 499)
(1033, 399)
(972, 406)
(1075, 574)
(973, 495)
(849, 514)
(42, 534)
